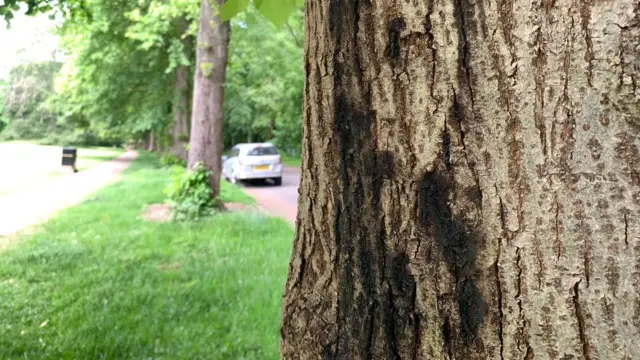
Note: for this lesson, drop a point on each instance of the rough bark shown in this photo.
(471, 182)
(206, 122)
(181, 101)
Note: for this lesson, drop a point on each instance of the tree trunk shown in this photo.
(471, 182)
(181, 98)
(272, 127)
(180, 130)
(206, 121)
(249, 135)
(151, 142)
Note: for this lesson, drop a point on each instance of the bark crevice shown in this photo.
(626, 231)
(585, 13)
(586, 350)
(496, 267)
(523, 337)
(558, 243)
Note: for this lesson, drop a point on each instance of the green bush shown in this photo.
(70, 137)
(172, 160)
(189, 193)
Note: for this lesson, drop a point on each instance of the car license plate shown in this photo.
(261, 168)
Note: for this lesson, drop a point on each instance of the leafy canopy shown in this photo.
(276, 11)
(265, 81)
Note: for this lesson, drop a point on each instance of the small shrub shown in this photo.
(189, 193)
(172, 160)
(183, 138)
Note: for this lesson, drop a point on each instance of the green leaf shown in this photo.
(276, 11)
(232, 8)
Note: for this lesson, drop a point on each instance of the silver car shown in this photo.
(253, 161)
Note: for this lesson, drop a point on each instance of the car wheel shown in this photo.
(232, 178)
(277, 181)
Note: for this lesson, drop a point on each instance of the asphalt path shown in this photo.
(278, 200)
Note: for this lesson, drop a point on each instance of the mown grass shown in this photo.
(291, 161)
(90, 157)
(98, 282)
(232, 193)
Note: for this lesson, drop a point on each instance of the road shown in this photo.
(279, 200)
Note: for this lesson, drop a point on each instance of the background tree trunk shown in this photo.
(471, 182)
(272, 128)
(206, 122)
(151, 142)
(181, 101)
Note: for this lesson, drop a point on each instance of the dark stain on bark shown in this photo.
(458, 243)
(400, 306)
(446, 148)
(353, 129)
(329, 351)
(384, 165)
(474, 195)
(395, 28)
(447, 337)
(386, 302)
(376, 292)
(335, 17)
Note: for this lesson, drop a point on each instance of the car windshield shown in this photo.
(263, 151)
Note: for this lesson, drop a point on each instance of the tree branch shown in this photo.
(293, 33)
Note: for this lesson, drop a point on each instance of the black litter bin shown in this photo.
(69, 157)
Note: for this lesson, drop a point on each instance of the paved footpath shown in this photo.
(33, 205)
(279, 200)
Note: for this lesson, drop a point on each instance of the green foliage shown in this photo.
(265, 81)
(63, 8)
(33, 111)
(26, 107)
(206, 68)
(276, 11)
(189, 193)
(80, 137)
(170, 160)
(28, 88)
(118, 79)
(3, 120)
(165, 24)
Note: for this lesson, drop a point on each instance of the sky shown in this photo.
(29, 39)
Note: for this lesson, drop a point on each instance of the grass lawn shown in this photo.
(25, 164)
(291, 161)
(90, 157)
(98, 282)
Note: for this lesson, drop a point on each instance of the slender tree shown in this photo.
(206, 122)
(182, 99)
(471, 182)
